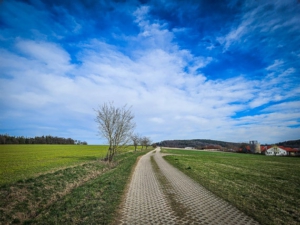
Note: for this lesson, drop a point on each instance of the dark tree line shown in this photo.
(199, 144)
(7, 139)
(207, 144)
(291, 143)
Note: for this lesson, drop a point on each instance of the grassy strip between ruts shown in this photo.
(266, 188)
(176, 206)
(83, 194)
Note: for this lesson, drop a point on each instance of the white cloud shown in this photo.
(169, 97)
(156, 84)
(48, 54)
(271, 20)
(277, 63)
(235, 35)
(157, 120)
(285, 107)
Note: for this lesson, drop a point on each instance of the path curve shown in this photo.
(148, 199)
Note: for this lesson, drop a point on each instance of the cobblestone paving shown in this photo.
(146, 203)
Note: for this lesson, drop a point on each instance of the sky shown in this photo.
(221, 70)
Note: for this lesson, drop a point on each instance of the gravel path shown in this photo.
(161, 194)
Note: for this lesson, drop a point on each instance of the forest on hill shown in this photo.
(208, 144)
(7, 139)
(292, 143)
(199, 144)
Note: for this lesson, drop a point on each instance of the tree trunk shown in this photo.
(109, 155)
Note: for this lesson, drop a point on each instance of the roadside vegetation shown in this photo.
(265, 188)
(83, 190)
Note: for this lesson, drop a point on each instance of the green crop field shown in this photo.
(264, 187)
(24, 161)
(62, 184)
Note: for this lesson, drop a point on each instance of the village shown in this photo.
(253, 147)
(269, 150)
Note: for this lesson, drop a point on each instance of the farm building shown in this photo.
(279, 151)
(255, 147)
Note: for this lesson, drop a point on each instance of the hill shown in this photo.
(207, 143)
(199, 144)
(292, 143)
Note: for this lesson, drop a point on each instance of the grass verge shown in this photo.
(84, 194)
(265, 188)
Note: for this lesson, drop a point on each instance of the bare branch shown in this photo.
(145, 141)
(116, 125)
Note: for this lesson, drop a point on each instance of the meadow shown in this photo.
(265, 188)
(62, 184)
(23, 161)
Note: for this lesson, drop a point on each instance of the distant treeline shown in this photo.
(208, 144)
(199, 144)
(292, 144)
(7, 139)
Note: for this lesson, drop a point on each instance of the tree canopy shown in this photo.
(48, 139)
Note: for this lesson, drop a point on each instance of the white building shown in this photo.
(274, 150)
(280, 151)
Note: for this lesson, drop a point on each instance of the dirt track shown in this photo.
(161, 194)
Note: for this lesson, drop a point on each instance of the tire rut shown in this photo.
(161, 194)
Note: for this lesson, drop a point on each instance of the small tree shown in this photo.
(145, 141)
(142, 142)
(116, 125)
(136, 140)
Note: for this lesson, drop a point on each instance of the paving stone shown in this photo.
(146, 203)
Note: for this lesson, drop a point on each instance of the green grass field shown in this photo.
(24, 161)
(62, 184)
(266, 188)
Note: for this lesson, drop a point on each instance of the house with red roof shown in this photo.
(279, 151)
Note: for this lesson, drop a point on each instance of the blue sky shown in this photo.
(224, 70)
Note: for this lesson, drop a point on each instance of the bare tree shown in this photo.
(136, 140)
(145, 141)
(142, 142)
(116, 125)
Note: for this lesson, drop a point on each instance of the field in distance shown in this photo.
(24, 161)
(266, 188)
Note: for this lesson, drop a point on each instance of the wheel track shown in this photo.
(147, 202)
